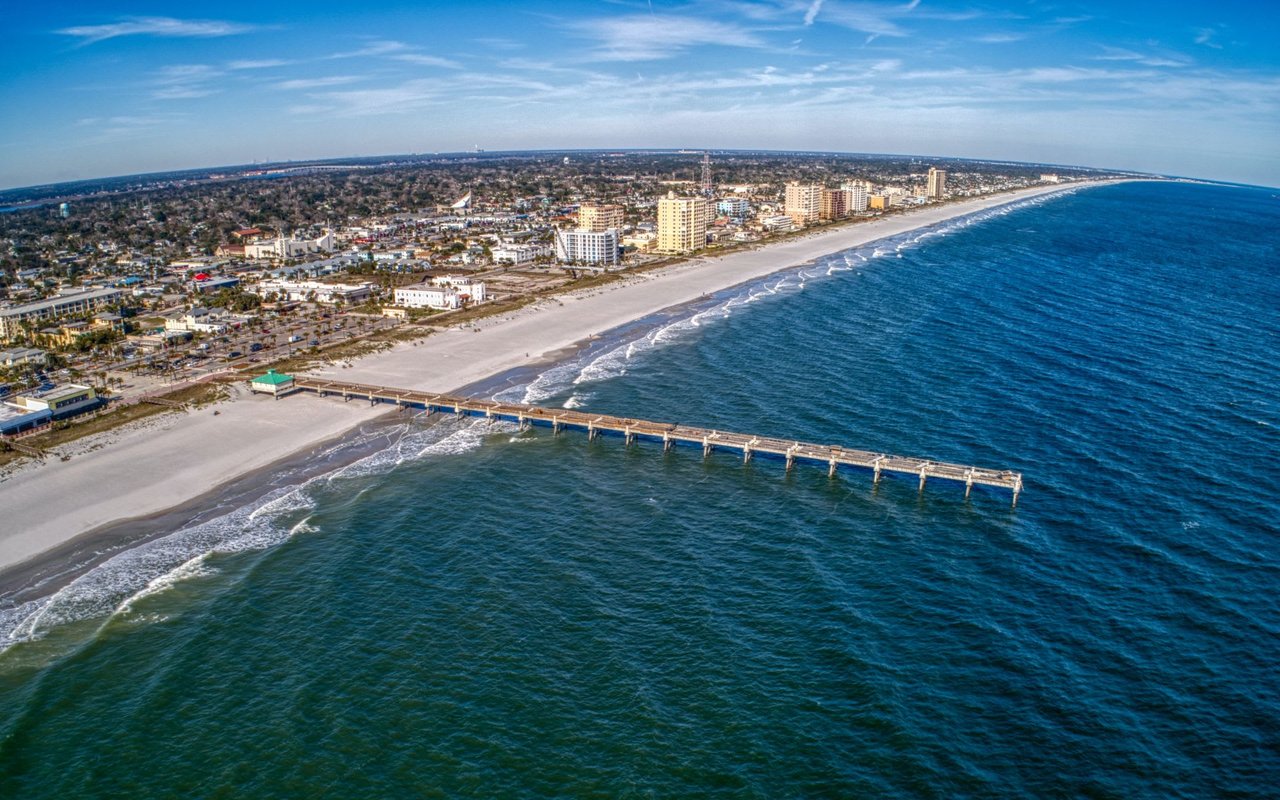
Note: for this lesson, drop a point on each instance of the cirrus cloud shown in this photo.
(155, 26)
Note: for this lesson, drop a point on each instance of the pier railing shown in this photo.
(670, 434)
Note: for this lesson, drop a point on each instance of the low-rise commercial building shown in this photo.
(62, 401)
(199, 320)
(289, 248)
(518, 255)
(21, 356)
(441, 294)
(314, 291)
(65, 305)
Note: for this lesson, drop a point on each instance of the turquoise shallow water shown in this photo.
(478, 611)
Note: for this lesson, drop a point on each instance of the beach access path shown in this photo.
(152, 468)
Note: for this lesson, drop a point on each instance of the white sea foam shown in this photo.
(194, 568)
(118, 584)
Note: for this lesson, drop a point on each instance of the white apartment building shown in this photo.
(777, 223)
(733, 207)
(588, 247)
(857, 195)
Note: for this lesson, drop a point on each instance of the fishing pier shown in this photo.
(670, 434)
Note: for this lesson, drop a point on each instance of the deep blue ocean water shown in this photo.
(479, 611)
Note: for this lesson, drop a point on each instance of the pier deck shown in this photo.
(670, 434)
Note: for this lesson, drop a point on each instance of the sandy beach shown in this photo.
(144, 470)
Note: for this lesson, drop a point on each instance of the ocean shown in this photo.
(442, 608)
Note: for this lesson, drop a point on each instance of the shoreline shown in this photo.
(58, 509)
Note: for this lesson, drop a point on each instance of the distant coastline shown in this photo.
(150, 471)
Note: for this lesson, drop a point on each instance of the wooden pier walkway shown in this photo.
(748, 445)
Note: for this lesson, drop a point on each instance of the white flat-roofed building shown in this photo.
(289, 248)
(18, 356)
(315, 291)
(737, 207)
(777, 223)
(199, 320)
(441, 294)
(588, 247)
(517, 255)
(80, 302)
(62, 401)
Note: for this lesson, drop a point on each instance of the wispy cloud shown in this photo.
(1000, 38)
(647, 37)
(424, 60)
(873, 19)
(1205, 36)
(185, 81)
(156, 26)
(408, 96)
(377, 47)
(1145, 59)
(316, 83)
(399, 51)
(812, 12)
(262, 63)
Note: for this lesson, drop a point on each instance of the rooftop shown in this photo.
(273, 378)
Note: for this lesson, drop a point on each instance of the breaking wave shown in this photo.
(115, 587)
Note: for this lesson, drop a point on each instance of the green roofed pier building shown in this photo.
(273, 383)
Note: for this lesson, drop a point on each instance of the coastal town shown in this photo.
(126, 296)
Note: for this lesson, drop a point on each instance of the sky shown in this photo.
(92, 89)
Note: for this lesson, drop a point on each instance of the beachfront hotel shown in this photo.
(598, 217)
(682, 223)
(937, 187)
(803, 203)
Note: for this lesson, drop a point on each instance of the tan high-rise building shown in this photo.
(803, 203)
(682, 223)
(597, 217)
(937, 188)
